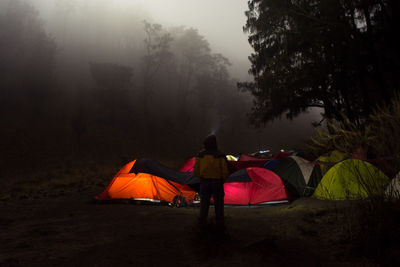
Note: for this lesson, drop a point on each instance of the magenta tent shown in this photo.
(250, 186)
(246, 157)
(188, 166)
(263, 187)
(281, 155)
(247, 161)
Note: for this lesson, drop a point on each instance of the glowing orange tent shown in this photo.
(143, 186)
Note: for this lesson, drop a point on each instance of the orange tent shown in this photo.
(143, 186)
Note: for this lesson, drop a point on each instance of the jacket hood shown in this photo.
(210, 143)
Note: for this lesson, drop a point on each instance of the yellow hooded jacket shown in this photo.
(211, 165)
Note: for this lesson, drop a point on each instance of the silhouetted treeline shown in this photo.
(342, 56)
(122, 89)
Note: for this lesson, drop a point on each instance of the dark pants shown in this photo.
(214, 188)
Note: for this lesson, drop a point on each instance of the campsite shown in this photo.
(199, 133)
(59, 223)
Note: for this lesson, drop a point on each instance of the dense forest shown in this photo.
(91, 79)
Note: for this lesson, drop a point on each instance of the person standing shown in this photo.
(212, 168)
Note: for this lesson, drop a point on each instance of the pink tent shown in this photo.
(188, 166)
(281, 155)
(251, 185)
(265, 186)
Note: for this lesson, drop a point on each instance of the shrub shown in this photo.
(377, 138)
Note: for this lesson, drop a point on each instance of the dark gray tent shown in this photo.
(300, 176)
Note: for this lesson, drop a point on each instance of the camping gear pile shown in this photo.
(255, 180)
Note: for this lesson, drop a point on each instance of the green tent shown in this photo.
(332, 157)
(299, 175)
(231, 158)
(351, 179)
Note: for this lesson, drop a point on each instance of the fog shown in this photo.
(129, 78)
(219, 21)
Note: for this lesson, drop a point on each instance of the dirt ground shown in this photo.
(72, 230)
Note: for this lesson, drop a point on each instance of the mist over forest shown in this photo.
(104, 79)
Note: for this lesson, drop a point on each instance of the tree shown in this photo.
(327, 54)
(27, 80)
(157, 43)
(193, 60)
(65, 8)
(27, 61)
(112, 81)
